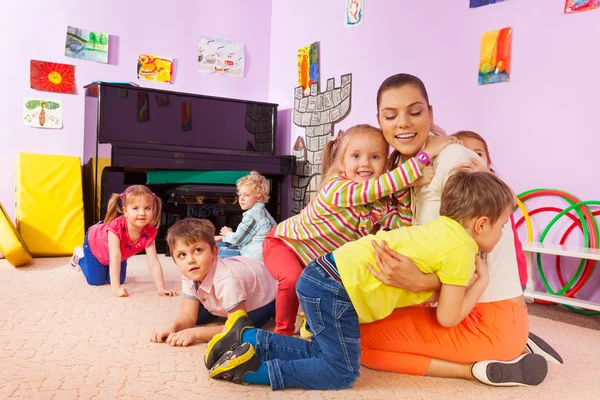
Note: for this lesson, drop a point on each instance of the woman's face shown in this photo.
(405, 119)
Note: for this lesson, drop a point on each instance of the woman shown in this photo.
(410, 340)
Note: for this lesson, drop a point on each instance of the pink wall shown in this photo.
(542, 127)
(35, 29)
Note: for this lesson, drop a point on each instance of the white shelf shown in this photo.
(562, 250)
(529, 294)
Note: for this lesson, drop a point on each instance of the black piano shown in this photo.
(141, 129)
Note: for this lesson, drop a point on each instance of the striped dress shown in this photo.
(344, 211)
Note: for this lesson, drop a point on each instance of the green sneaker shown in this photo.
(235, 364)
(230, 337)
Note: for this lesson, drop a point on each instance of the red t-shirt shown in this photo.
(521, 261)
(98, 239)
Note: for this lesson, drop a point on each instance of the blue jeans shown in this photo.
(95, 272)
(331, 360)
(258, 317)
(227, 250)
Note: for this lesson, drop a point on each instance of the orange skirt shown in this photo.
(407, 340)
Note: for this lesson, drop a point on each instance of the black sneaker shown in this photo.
(537, 345)
(525, 370)
(236, 363)
(230, 337)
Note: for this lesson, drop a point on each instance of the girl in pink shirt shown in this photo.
(108, 244)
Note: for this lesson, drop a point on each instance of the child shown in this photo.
(247, 240)
(108, 244)
(213, 286)
(337, 292)
(345, 209)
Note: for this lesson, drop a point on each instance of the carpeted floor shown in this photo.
(62, 339)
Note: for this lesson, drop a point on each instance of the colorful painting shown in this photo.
(186, 115)
(354, 12)
(223, 57)
(573, 6)
(308, 66)
(479, 3)
(52, 77)
(154, 68)
(43, 113)
(494, 56)
(87, 45)
(142, 107)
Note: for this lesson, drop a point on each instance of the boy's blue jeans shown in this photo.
(227, 250)
(331, 360)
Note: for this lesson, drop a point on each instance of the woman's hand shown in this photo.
(435, 144)
(400, 271)
(225, 230)
(426, 177)
(473, 166)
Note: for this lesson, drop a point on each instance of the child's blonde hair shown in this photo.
(129, 196)
(333, 154)
(190, 231)
(257, 183)
(468, 195)
(476, 136)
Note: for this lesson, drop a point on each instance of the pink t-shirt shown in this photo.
(98, 239)
(229, 282)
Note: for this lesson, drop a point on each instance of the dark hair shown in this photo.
(477, 194)
(398, 81)
(190, 231)
(476, 136)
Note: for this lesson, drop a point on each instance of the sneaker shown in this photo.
(235, 363)
(525, 370)
(230, 337)
(77, 255)
(537, 345)
(304, 332)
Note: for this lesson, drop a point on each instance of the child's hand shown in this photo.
(481, 267)
(120, 291)
(473, 166)
(218, 238)
(159, 337)
(182, 338)
(166, 292)
(426, 178)
(225, 230)
(435, 144)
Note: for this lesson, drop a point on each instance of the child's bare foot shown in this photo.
(120, 291)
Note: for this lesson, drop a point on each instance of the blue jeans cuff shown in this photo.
(275, 375)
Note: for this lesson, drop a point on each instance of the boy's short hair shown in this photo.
(190, 231)
(257, 182)
(469, 195)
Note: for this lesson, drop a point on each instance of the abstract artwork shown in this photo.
(479, 3)
(308, 66)
(142, 107)
(573, 6)
(186, 116)
(154, 68)
(52, 77)
(87, 45)
(494, 56)
(219, 56)
(354, 12)
(43, 113)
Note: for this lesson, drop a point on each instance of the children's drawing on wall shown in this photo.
(87, 45)
(573, 6)
(494, 56)
(162, 100)
(142, 107)
(52, 77)
(43, 113)
(479, 3)
(186, 116)
(154, 68)
(317, 113)
(308, 66)
(354, 12)
(219, 56)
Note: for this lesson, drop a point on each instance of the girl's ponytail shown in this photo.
(157, 210)
(113, 208)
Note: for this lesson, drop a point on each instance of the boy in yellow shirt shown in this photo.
(337, 292)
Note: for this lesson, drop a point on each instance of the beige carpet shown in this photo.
(62, 339)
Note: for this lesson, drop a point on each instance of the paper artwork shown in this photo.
(40, 113)
(219, 56)
(86, 45)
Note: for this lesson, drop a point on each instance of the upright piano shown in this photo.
(134, 130)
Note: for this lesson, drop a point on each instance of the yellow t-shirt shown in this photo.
(442, 246)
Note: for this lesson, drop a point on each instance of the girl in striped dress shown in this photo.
(349, 204)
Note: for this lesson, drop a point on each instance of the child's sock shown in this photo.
(261, 376)
(249, 336)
